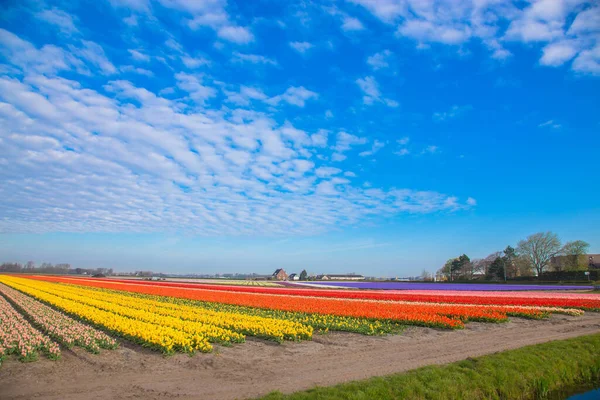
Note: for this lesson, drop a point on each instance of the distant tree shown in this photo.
(523, 266)
(11, 267)
(303, 275)
(574, 253)
(509, 268)
(462, 267)
(539, 248)
(426, 275)
(481, 266)
(496, 270)
(457, 268)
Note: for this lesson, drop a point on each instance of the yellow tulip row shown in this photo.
(269, 328)
(128, 309)
(183, 327)
(163, 337)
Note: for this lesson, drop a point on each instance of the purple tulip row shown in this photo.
(17, 336)
(448, 286)
(58, 326)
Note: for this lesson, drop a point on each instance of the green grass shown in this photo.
(526, 373)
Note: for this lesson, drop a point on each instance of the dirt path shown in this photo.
(257, 367)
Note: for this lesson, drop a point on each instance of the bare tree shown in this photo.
(574, 254)
(539, 248)
(481, 266)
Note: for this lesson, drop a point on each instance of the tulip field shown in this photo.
(41, 314)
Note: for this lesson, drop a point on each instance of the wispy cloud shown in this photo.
(377, 145)
(550, 124)
(253, 58)
(379, 60)
(301, 47)
(453, 112)
(371, 92)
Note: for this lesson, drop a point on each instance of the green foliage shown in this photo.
(527, 373)
(496, 270)
(303, 275)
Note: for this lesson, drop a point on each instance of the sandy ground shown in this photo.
(258, 367)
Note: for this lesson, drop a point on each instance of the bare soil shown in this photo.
(258, 367)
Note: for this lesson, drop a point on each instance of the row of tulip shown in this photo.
(18, 337)
(190, 321)
(425, 314)
(58, 326)
(319, 322)
(185, 317)
(148, 334)
(589, 302)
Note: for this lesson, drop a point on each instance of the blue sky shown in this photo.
(379, 137)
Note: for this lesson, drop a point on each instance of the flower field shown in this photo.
(583, 301)
(58, 326)
(189, 317)
(18, 337)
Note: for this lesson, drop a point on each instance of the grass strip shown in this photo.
(531, 372)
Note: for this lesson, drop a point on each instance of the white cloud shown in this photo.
(558, 53)
(588, 61)
(453, 112)
(193, 84)
(345, 141)
(428, 32)
(587, 21)
(377, 145)
(253, 58)
(387, 10)
(338, 157)
(352, 24)
(194, 62)
(496, 24)
(379, 60)
(236, 34)
(245, 95)
(95, 154)
(59, 18)
(294, 95)
(471, 202)
(136, 70)
(372, 94)
(301, 47)
(370, 88)
(94, 54)
(550, 124)
(319, 139)
(324, 172)
(138, 55)
(431, 150)
(403, 141)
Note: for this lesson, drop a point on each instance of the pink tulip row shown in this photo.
(17, 336)
(58, 326)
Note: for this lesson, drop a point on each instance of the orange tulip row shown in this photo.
(428, 314)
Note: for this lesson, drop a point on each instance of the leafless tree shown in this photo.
(539, 248)
(481, 266)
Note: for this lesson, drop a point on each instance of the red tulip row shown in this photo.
(519, 300)
(425, 314)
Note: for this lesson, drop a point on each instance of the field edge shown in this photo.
(530, 372)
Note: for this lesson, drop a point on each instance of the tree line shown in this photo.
(49, 268)
(533, 256)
